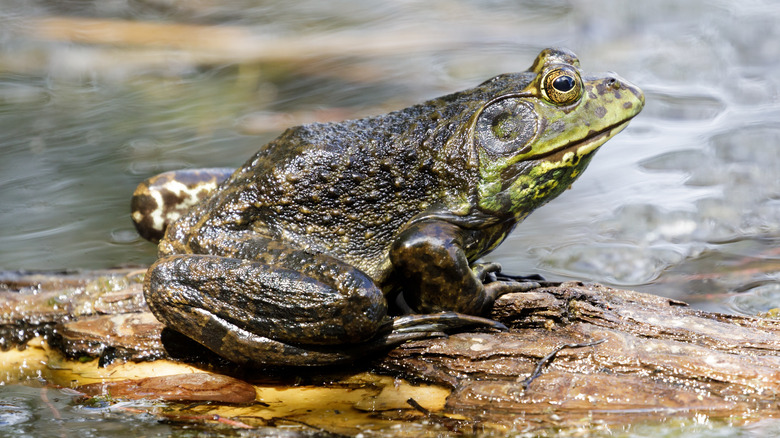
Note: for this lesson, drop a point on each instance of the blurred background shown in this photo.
(96, 96)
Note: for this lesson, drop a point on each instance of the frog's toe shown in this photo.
(520, 278)
(486, 271)
(442, 322)
(497, 288)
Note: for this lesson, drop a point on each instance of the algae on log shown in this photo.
(646, 358)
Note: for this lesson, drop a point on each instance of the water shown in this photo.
(684, 203)
(42, 412)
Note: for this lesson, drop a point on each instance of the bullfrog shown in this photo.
(337, 240)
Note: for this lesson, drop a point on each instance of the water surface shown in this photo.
(684, 203)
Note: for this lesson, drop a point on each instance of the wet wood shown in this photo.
(658, 357)
(178, 387)
(647, 358)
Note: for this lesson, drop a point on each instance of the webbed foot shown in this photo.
(409, 328)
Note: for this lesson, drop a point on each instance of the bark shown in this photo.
(601, 356)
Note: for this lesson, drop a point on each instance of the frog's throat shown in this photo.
(476, 218)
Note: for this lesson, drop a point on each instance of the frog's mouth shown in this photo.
(585, 146)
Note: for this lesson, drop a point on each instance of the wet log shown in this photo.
(574, 354)
(653, 357)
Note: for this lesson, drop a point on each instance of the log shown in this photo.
(575, 354)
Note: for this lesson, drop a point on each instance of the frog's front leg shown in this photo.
(431, 264)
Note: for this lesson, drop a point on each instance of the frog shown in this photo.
(338, 240)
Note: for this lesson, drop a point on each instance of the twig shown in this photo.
(547, 359)
(54, 411)
(45, 398)
(413, 403)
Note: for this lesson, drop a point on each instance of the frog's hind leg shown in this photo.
(161, 199)
(300, 313)
(314, 310)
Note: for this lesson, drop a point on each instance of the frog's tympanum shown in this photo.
(339, 239)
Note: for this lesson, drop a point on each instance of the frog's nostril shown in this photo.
(613, 83)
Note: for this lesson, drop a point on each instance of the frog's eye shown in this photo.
(562, 86)
(506, 126)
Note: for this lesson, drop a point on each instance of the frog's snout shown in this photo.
(616, 83)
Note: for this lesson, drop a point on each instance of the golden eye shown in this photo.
(562, 86)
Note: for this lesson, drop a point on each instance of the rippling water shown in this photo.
(684, 203)
(27, 411)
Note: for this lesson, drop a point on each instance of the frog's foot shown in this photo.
(491, 271)
(497, 283)
(486, 272)
(409, 328)
(437, 323)
(495, 289)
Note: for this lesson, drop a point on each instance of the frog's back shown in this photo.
(343, 188)
(346, 189)
(338, 188)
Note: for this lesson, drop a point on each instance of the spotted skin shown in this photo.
(163, 199)
(306, 254)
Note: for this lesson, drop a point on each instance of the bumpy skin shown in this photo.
(292, 259)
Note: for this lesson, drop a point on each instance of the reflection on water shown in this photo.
(43, 412)
(85, 115)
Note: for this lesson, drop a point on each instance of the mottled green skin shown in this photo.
(293, 258)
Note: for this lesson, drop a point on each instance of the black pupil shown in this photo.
(563, 83)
